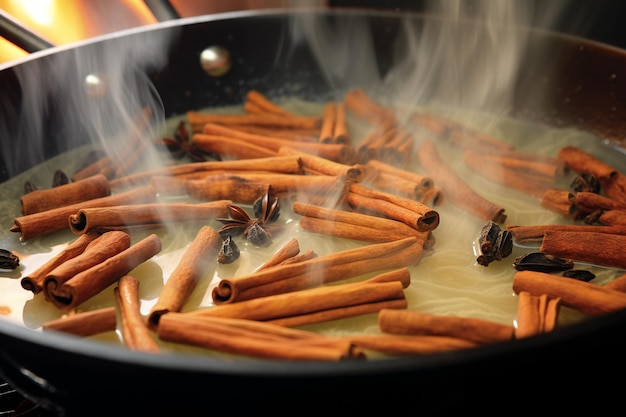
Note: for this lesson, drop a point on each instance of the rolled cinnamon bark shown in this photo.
(308, 301)
(193, 265)
(350, 225)
(360, 104)
(535, 314)
(561, 202)
(416, 323)
(230, 188)
(135, 333)
(265, 104)
(584, 296)
(320, 270)
(341, 134)
(286, 164)
(86, 323)
(454, 187)
(410, 345)
(322, 166)
(74, 192)
(589, 202)
(262, 343)
(615, 218)
(288, 250)
(46, 222)
(420, 180)
(230, 148)
(90, 282)
(125, 217)
(97, 251)
(535, 232)
(35, 280)
(411, 212)
(328, 123)
(604, 249)
(197, 120)
(334, 151)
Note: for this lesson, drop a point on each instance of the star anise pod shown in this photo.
(59, 178)
(182, 145)
(257, 230)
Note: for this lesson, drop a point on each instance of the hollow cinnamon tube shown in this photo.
(323, 166)
(617, 284)
(97, 251)
(410, 345)
(35, 280)
(421, 180)
(411, 212)
(584, 296)
(561, 202)
(589, 202)
(90, 282)
(535, 232)
(203, 332)
(74, 192)
(197, 120)
(349, 224)
(341, 134)
(535, 314)
(334, 151)
(604, 249)
(229, 148)
(103, 166)
(265, 104)
(286, 164)
(135, 333)
(193, 265)
(144, 215)
(454, 187)
(86, 323)
(288, 250)
(232, 188)
(307, 301)
(416, 323)
(615, 218)
(328, 123)
(359, 103)
(46, 222)
(320, 270)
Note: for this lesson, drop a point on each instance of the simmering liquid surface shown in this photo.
(447, 281)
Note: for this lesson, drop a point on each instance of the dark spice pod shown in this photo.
(488, 235)
(579, 274)
(257, 235)
(229, 252)
(585, 182)
(59, 178)
(542, 262)
(8, 260)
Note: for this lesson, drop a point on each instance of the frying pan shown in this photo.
(562, 80)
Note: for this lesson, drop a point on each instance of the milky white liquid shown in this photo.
(447, 281)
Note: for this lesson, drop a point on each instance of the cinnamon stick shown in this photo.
(197, 120)
(232, 187)
(125, 217)
(604, 249)
(615, 218)
(135, 332)
(454, 187)
(341, 134)
(229, 148)
(86, 323)
(288, 250)
(193, 265)
(416, 323)
(97, 251)
(287, 164)
(308, 301)
(74, 192)
(420, 180)
(359, 103)
(334, 151)
(35, 280)
(320, 270)
(90, 282)
(329, 117)
(584, 296)
(210, 333)
(322, 166)
(49, 221)
(535, 314)
(265, 104)
(350, 225)
(561, 202)
(408, 211)
(410, 345)
(535, 232)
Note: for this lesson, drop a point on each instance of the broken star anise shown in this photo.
(8, 260)
(181, 144)
(257, 230)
